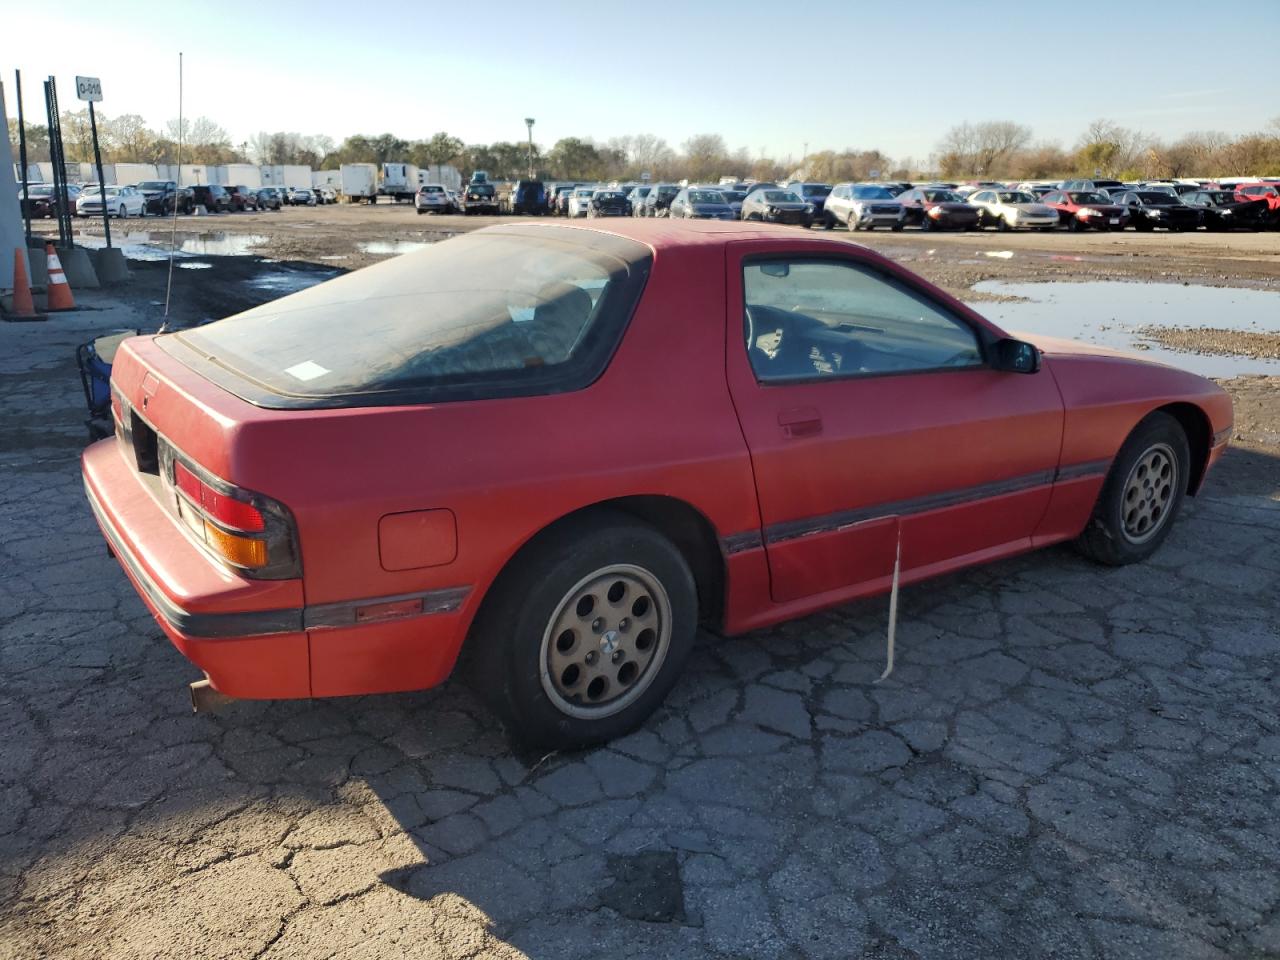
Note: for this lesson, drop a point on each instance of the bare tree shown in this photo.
(981, 149)
(705, 156)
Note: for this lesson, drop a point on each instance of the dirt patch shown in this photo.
(1229, 343)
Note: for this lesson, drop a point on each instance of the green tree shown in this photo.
(574, 159)
(436, 152)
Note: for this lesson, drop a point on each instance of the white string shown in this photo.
(893, 609)
(177, 190)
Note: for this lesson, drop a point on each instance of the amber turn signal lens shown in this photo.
(242, 551)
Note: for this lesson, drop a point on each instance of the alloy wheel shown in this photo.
(605, 641)
(1149, 492)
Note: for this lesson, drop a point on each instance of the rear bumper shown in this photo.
(258, 639)
(245, 635)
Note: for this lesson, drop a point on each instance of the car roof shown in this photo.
(663, 234)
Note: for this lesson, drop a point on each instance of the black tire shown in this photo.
(828, 221)
(897, 227)
(925, 223)
(506, 649)
(1107, 539)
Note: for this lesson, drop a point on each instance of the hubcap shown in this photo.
(605, 641)
(1149, 493)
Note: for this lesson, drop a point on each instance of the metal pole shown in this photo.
(102, 181)
(529, 123)
(177, 193)
(22, 160)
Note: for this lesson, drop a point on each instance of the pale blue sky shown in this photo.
(767, 76)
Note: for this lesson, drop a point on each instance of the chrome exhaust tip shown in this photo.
(204, 698)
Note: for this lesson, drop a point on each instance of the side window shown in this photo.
(808, 319)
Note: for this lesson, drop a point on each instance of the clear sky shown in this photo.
(766, 75)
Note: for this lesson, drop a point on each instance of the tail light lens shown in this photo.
(243, 529)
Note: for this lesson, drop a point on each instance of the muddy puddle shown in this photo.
(154, 244)
(392, 248)
(1114, 313)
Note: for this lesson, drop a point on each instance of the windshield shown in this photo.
(480, 189)
(42, 191)
(429, 189)
(153, 185)
(488, 311)
(705, 196)
(780, 196)
(667, 192)
(584, 192)
(733, 196)
(1090, 198)
(609, 195)
(1016, 196)
(871, 193)
(942, 196)
(815, 190)
(641, 191)
(1156, 198)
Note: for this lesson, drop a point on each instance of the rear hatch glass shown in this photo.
(499, 312)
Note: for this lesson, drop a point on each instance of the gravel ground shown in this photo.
(1230, 343)
(1070, 761)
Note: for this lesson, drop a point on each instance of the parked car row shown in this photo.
(1032, 205)
(161, 197)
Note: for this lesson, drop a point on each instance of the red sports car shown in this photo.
(1081, 209)
(556, 449)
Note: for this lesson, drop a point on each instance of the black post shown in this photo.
(58, 160)
(22, 161)
(102, 181)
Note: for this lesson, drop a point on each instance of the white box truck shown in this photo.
(359, 182)
(399, 181)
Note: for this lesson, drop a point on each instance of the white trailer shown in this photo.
(359, 182)
(399, 181)
(441, 173)
(327, 178)
(241, 175)
(128, 173)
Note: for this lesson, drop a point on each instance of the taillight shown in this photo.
(244, 529)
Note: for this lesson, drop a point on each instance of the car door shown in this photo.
(868, 410)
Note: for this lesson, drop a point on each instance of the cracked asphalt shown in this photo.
(1069, 762)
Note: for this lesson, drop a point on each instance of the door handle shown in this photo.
(800, 422)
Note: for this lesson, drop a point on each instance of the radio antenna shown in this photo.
(177, 192)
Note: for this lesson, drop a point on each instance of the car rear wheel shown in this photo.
(584, 636)
(1142, 494)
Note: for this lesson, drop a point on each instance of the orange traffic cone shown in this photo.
(59, 290)
(24, 307)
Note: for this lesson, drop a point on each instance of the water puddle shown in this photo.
(1112, 313)
(393, 248)
(148, 245)
(281, 282)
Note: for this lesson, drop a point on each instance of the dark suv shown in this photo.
(161, 195)
(529, 196)
(214, 198)
(242, 198)
(479, 198)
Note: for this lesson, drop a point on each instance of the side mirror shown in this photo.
(1015, 356)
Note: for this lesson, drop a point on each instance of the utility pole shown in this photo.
(528, 122)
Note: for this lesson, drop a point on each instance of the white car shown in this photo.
(1011, 209)
(862, 206)
(121, 202)
(433, 198)
(580, 201)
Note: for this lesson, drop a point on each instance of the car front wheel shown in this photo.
(1142, 494)
(584, 636)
